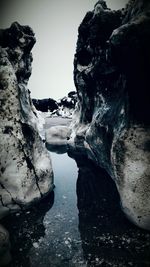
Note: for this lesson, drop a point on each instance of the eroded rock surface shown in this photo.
(112, 121)
(57, 135)
(25, 166)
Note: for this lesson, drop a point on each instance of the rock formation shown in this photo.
(25, 166)
(64, 107)
(56, 138)
(112, 121)
(67, 105)
(45, 105)
(68, 101)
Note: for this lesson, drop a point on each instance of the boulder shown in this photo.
(57, 137)
(25, 165)
(112, 119)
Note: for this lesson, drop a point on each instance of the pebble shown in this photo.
(28, 212)
(35, 245)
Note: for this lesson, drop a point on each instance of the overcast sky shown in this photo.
(55, 23)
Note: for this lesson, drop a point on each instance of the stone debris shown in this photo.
(35, 245)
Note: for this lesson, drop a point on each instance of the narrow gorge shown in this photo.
(89, 206)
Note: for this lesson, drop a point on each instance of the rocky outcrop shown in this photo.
(112, 120)
(64, 107)
(67, 105)
(45, 105)
(25, 166)
(68, 101)
(56, 138)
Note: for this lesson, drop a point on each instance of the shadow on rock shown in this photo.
(59, 149)
(5, 257)
(108, 238)
(25, 229)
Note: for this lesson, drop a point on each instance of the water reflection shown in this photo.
(48, 235)
(57, 234)
(108, 238)
(25, 228)
(61, 149)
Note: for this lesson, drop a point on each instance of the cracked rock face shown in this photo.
(112, 121)
(25, 166)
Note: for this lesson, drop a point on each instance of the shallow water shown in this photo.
(79, 224)
(61, 245)
(47, 234)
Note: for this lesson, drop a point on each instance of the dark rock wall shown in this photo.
(111, 124)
